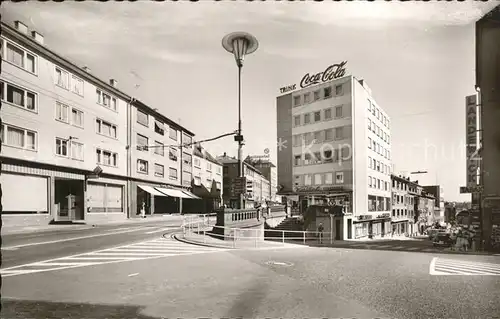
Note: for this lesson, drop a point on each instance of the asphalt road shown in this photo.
(303, 282)
(18, 249)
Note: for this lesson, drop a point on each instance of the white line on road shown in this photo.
(161, 230)
(132, 275)
(74, 238)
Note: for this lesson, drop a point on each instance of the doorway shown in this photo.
(68, 200)
(338, 229)
(349, 228)
(303, 206)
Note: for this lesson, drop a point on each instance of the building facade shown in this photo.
(67, 136)
(340, 153)
(269, 170)
(404, 192)
(488, 83)
(438, 193)
(258, 188)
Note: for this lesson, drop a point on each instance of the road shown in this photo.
(18, 249)
(169, 279)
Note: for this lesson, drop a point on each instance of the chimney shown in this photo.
(224, 154)
(113, 82)
(21, 27)
(37, 37)
(86, 69)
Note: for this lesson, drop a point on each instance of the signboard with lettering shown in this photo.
(239, 186)
(473, 189)
(332, 72)
(306, 189)
(472, 147)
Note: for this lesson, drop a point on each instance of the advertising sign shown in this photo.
(472, 148)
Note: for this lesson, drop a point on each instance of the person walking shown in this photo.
(320, 232)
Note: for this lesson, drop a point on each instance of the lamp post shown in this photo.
(240, 44)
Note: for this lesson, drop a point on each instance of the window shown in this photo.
(172, 173)
(159, 127)
(296, 100)
(105, 128)
(76, 149)
(308, 137)
(339, 177)
(106, 158)
(19, 137)
(369, 181)
(307, 98)
(307, 118)
(187, 159)
(159, 170)
(316, 95)
(197, 162)
(329, 134)
(187, 140)
(142, 118)
(316, 158)
(318, 135)
(296, 140)
(142, 166)
(369, 143)
(339, 133)
(62, 78)
(307, 179)
(374, 109)
(374, 145)
(61, 147)
(369, 106)
(329, 178)
(18, 96)
(338, 89)
(219, 170)
(296, 120)
(209, 166)
(197, 180)
(338, 111)
(172, 154)
(76, 117)
(369, 162)
(328, 114)
(369, 125)
(20, 57)
(307, 159)
(62, 112)
(77, 85)
(297, 159)
(327, 92)
(173, 133)
(106, 100)
(317, 116)
(159, 148)
(142, 142)
(317, 179)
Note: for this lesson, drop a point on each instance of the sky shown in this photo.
(417, 57)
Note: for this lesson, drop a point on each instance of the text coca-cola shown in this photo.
(334, 71)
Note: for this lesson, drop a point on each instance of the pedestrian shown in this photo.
(320, 232)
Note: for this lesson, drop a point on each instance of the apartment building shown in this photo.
(161, 163)
(340, 154)
(269, 170)
(404, 192)
(258, 188)
(207, 181)
(66, 137)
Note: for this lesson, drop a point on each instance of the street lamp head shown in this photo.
(240, 44)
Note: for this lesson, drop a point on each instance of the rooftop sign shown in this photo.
(332, 72)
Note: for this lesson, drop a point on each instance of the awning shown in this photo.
(193, 196)
(173, 192)
(151, 190)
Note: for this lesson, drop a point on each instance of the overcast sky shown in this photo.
(417, 57)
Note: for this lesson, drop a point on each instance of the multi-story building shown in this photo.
(268, 169)
(68, 142)
(258, 188)
(207, 181)
(341, 153)
(160, 176)
(437, 192)
(403, 203)
(488, 83)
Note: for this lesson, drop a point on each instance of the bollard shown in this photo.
(283, 236)
(304, 236)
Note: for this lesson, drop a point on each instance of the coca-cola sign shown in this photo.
(332, 72)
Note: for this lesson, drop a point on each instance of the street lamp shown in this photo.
(240, 44)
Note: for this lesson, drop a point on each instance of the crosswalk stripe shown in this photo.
(98, 258)
(469, 266)
(384, 246)
(443, 266)
(138, 254)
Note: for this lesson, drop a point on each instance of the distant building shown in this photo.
(404, 192)
(268, 169)
(338, 152)
(258, 188)
(437, 192)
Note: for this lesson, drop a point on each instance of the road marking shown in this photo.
(449, 267)
(133, 275)
(398, 247)
(131, 252)
(413, 248)
(74, 238)
(162, 230)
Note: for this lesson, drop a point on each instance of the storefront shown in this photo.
(105, 199)
(400, 227)
(372, 226)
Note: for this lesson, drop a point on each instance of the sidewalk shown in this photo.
(12, 230)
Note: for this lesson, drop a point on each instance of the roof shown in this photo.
(43, 49)
(199, 151)
(224, 159)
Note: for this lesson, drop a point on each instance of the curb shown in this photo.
(174, 236)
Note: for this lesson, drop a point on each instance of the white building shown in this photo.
(340, 153)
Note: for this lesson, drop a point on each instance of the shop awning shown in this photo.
(151, 190)
(173, 192)
(193, 196)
